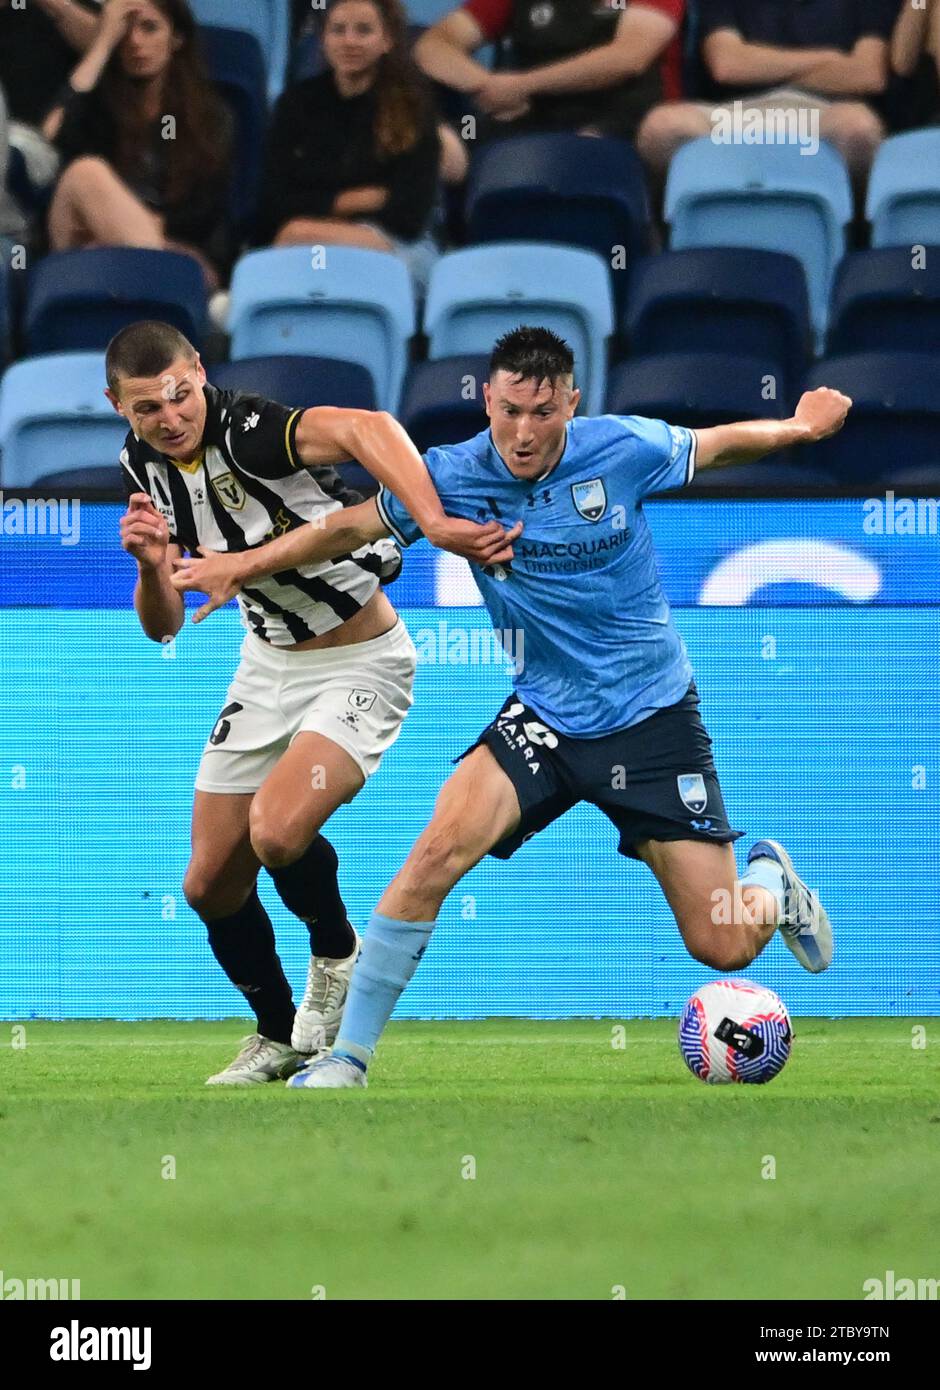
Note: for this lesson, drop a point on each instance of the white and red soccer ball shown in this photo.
(733, 1030)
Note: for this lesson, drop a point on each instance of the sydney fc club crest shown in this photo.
(693, 791)
(590, 499)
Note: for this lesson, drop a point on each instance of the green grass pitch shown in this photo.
(598, 1169)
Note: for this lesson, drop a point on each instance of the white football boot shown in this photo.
(317, 1021)
(261, 1059)
(804, 925)
(329, 1073)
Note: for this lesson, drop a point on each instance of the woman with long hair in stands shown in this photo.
(354, 152)
(145, 140)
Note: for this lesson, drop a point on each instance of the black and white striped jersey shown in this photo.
(246, 488)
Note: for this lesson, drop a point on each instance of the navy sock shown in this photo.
(244, 946)
(310, 889)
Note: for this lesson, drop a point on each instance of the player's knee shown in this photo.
(278, 843)
(439, 859)
(718, 951)
(210, 895)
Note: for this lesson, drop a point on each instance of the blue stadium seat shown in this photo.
(880, 303)
(701, 300)
(77, 300)
(236, 66)
(299, 381)
(767, 196)
(443, 400)
(358, 306)
(483, 291)
(54, 419)
(269, 21)
(704, 389)
(895, 417)
(903, 204)
(571, 189)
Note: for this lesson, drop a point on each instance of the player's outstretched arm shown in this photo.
(327, 435)
(339, 532)
(221, 576)
(819, 414)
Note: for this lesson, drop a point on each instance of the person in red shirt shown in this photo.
(591, 68)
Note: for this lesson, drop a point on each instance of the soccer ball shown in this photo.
(733, 1030)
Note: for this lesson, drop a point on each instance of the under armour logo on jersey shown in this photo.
(544, 496)
(251, 421)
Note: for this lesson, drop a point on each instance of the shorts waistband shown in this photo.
(285, 658)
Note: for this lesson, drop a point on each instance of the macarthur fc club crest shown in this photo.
(230, 490)
(590, 498)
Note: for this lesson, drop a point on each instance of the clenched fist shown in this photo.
(822, 412)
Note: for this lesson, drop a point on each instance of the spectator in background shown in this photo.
(915, 62)
(595, 68)
(353, 153)
(831, 55)
(39, 43)
(131, 178)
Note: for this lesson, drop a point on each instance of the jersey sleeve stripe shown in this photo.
(693, 449)
(290, 438)
(387, 520)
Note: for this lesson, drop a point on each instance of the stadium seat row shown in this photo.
(358, 305)
(58, 431)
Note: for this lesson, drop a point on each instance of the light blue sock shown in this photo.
(390, 954)
(766, 873)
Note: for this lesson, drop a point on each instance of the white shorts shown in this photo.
(357, 696)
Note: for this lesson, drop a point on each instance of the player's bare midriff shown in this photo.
(374, 619)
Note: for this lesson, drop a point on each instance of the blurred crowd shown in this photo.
(112, 133)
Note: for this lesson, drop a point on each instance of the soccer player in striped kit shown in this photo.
(326, 668)
(605, 708)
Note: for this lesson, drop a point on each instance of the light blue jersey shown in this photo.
(599, 648)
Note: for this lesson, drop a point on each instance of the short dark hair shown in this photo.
(532, 354)
(145, 349)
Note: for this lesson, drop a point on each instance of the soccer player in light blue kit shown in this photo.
(605, 708)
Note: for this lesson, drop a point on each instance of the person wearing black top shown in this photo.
(826, 56)
(145, 141)
(353, 153)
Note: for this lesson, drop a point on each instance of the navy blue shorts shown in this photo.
(655, 780)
